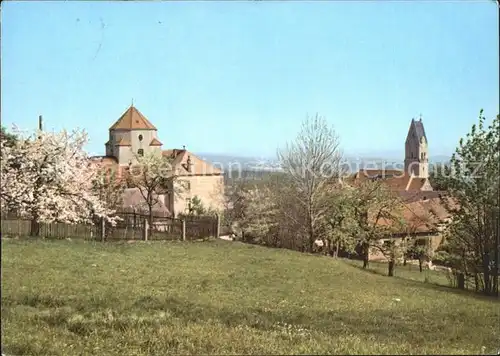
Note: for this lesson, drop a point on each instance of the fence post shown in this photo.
(183, 229)
(103, 229)
(217, 228)
(146, 229)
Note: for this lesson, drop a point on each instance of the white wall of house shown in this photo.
(209, 188)
(125, 154)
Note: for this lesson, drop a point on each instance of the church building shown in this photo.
(423, 209)
(134, 135)
(415, 175)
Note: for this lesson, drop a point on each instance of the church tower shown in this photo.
(132, 135)
(416, 151)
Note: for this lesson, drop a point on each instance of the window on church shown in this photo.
(140, 152)
(140, 137)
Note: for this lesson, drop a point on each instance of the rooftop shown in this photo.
(132, 119)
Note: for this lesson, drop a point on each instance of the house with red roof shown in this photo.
(424, 210)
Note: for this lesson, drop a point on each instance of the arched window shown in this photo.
(140, 137)
(140, 152)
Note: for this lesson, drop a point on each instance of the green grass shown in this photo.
(409, 272)
(77, 297)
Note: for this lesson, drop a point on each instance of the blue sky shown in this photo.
(239, 77)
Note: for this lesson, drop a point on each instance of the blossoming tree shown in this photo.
(48, 177)
(154, 176)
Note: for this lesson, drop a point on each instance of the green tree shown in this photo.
(338, 223)
(153, 175)
(439, 176)
(198, 208)
(421, 250)
(377, 211)
(260, 220)
(473, 236)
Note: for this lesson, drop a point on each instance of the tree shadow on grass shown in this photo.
(345, 322)
(385, 326)
(429, 285)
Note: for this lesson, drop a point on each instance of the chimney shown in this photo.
(40, 123)
(189, 164)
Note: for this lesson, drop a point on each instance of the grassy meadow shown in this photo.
(218, 297)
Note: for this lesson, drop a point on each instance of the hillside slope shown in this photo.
(70, 297)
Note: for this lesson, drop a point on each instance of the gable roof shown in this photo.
(123, 142)
(132, 119)
(395, 179)
(198, 166)
(132, 198)
(155, 142)
(421, 216)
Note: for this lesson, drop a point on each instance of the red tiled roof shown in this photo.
(123, 142)
(422, 210)
(133, 198)
(421, 216)
(155, 142)
(179, 159)
(394, 179)
(132, 119)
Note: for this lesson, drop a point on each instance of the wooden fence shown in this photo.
(132, 226)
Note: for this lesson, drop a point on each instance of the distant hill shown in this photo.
(262, 164)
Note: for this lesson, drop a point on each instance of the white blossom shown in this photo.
(48, 177)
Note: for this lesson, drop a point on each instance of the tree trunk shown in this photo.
(391, 268)
(486, 271)
(337, 249)
(366, 255)
(150, 218)
(496, 264)
(404, 260)
(420, 263)
(326, 247)
(330, 250)
(35, 227)
(311, 239)
(460, 280)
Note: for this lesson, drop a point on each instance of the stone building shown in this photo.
(416, 151)
(134, 135)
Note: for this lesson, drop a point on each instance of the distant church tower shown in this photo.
(416, 151)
